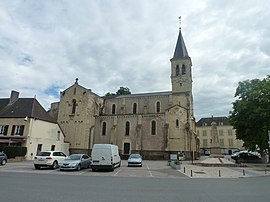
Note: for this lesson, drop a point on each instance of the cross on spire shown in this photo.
(179, 22)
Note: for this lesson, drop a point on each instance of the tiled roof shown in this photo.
(145, 94)
(180, 48)
(209, 120)
(23, 107)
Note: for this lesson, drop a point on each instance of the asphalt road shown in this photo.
(155, 181)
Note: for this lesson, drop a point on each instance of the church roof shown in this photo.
(165, 93)
(180, 49)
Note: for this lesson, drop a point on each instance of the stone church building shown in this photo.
(155, 124)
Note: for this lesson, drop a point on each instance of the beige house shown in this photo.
(226, 135)
(24, 122)
(155, 124)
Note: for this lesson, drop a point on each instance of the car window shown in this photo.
(62, 154)
(85, 157)
(44, 154)
(74, 157)
(56, 154)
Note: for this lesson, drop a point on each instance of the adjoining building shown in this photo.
(155, 124)
(24, 122)
(226, 135)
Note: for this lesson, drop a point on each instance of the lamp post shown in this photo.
(268, 146)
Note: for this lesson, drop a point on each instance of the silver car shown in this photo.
(135, 160)
(76, 162)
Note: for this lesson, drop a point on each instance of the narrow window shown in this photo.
(134, 108)
(3, 130)
(113, 109)
(127, 128)
(177, 70)
(158, 107)
(39, 148)
(17, 130)
(104, 128)
(183, 69)
(153, 128)
(73, 106)
(74, 92)
(177, 123)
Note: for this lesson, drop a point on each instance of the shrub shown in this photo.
(13, 151)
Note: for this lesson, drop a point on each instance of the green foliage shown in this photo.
(251, 112)
(121, 91)
(12, 151)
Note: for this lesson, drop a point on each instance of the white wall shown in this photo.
(45, 133)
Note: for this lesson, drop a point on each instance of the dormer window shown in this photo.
(220, 123)
(204, 124)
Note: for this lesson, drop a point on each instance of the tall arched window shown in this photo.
(183, 69)
(158, 107)
(177, 70)
(113, 109)
(153, 128)
(127, 128)
(104, 128)
(134, 108)
(74, 104)
(177, 123)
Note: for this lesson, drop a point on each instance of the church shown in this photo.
(155, 124)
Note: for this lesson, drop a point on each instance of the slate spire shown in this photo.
(180, 49)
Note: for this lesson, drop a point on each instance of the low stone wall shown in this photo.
(17, 159)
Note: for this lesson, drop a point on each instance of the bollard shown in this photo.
(265, 171)
(244, 173)
(219, 173)
(190, 173)
(184, 169)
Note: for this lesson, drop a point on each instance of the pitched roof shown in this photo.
(165, 93)
(180, 48)
(23, 107)
(209, 120)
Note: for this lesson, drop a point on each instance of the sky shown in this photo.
(46, 45)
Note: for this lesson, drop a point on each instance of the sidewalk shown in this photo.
(250, 170)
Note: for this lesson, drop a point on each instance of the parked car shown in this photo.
(50, 159)
(135, 160)
(76, 162)
(3, 158)
(246, 157)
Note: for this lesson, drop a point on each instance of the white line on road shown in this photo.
(115, 174)
(149, 171)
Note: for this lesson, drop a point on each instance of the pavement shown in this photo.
(213, 168)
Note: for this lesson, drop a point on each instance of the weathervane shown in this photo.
(179, 22)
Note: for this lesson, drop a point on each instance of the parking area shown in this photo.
(151, 169)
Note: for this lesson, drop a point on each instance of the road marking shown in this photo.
(115, 174)
(149, 171)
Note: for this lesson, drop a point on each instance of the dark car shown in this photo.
(3, 158)
(246, 157)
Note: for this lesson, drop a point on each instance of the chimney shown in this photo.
(14, 96)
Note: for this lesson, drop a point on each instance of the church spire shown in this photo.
(180, 49)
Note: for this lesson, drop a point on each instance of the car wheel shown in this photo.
(4, 161)
(79, 167)
(37, 167)
(55, 165)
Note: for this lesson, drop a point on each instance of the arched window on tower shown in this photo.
(134, 108)
(177, 70)
(104, 128)
(113, 108)
(158, 107)
(153, 128)
(127, 128)
(74, 105)
(177, 123)
(183, 70)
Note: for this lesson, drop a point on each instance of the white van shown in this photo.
(105, 156)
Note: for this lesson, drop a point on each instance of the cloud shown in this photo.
(45, 45)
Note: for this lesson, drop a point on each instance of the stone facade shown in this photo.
(226, 135)
(154, 124)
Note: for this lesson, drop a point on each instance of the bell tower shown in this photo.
(181, 68)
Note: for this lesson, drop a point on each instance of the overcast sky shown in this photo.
(45, 45)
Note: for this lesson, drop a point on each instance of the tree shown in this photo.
(251, 113)
(121, 91)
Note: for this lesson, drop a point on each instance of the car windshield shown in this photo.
(136, 156)
(74, 157)
(44, 154)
